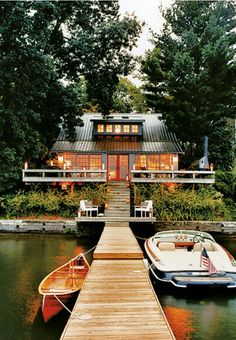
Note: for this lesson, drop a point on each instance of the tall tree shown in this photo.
(45, 48)
(99, 47)
(191, 73)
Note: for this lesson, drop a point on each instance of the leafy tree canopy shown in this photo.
(45, 49)
(129, 97)
(191, 73)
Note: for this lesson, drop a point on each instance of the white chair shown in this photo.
(145, 209)
(88, 208)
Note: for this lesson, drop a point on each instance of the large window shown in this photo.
(80, 161)
(154, 162)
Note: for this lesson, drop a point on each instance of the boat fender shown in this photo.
(146, 265)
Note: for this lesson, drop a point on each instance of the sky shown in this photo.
(148, 11)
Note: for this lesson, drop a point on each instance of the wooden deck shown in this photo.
(118, 243)
(117, 300)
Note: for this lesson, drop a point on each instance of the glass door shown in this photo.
(118, 167)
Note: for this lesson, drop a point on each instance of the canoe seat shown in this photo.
(166, 246)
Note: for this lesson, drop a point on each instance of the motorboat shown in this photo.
(189, 258)
(58, 287)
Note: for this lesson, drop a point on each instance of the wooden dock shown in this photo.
(117, 300)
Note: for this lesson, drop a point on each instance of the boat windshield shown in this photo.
(169, 234)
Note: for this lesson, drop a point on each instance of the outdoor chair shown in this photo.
(145, 209)
(87, 208)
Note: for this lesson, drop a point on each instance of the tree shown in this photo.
(191, 73)
(99, 48)
(128, 97)
(45, 49)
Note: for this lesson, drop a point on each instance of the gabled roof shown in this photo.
(156, 137)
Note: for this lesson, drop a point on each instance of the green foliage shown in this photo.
(225, 182)
(51, 202)
(184, 205)
(54, 56)
(128, 97)
(191, 75)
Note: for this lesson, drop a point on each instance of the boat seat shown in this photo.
(166, 246)
(208, 246)
(197, 247)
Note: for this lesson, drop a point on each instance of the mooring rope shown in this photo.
(73, 314)
(88, 251)
(141, 238)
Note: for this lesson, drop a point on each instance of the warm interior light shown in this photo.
(60, 158)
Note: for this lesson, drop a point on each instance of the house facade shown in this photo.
(121, 147)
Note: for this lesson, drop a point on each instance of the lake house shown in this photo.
(122, 147)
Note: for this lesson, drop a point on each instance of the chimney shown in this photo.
(203, 162)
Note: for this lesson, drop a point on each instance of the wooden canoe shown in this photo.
(61, 285)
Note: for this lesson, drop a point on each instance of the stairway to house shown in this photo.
(118, 204)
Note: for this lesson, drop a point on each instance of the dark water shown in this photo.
(26, 259)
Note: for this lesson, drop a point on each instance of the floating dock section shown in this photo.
(117, 300)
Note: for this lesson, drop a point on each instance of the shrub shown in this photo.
(202, 204)
(51, 202)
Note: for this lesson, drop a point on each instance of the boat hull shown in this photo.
(193, 280)
(54, 304)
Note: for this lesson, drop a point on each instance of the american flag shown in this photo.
(205, 261)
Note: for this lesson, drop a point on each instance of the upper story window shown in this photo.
(109, 128)
(100, 128)
(117, 128)
(126, 128)
(134, 128)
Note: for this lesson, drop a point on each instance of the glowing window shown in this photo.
(153, 162)
(83, 161)
(117, 128)
(126, 128)
(135, 128)
(166, 162)
(108, 128)
(100, 128)
(140, 162)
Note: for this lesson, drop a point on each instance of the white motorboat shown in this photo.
(188, 258)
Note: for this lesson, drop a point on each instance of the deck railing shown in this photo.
(57, 175)
(172, 176)
(148, 176)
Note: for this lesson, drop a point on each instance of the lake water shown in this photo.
(26, 259)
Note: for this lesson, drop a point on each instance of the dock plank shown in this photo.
(117, 243)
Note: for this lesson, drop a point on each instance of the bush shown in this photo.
(51, 202)
(202, 204)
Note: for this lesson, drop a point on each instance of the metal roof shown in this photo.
(156, 137)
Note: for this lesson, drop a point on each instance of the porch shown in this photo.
(102, 175)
